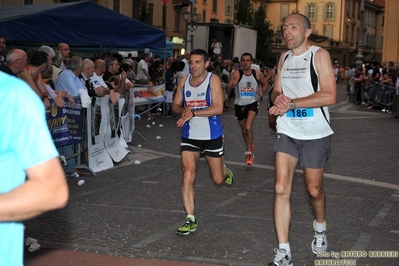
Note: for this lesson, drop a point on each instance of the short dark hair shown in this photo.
(38, 58)
(156, 64)
(247, 54)
(306, 21)
(125, 67)
(201, 52)
(181, 65)
(110, 62)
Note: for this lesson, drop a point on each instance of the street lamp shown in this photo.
(359, 55)
(164, 15)
(191, 24)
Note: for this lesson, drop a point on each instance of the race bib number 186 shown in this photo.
(302, 113)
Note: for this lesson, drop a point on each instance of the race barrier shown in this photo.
(97, 129)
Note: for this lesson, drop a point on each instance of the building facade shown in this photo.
(336, 24)
(390, 35)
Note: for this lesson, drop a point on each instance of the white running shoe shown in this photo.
(319, 243)
(281, 258)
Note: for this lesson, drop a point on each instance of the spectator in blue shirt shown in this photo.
(69, 80)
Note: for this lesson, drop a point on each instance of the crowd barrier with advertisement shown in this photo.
(142, 97)
(67, 130)
(97, 130)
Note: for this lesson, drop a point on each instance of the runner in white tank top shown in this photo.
(296, 79)
(304, 87)
(248, 86)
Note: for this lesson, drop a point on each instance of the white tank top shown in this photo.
(246, 89)
(299, 78)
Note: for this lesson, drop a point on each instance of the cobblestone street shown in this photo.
(131, 212)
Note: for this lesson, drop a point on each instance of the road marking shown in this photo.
(386, 208)
(380, 216)
(362, 242)
(150, 154)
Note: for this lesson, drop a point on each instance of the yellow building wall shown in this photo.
(344, 29)
(274, 14)
(390, 50)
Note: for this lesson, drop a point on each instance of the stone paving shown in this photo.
(133, 210)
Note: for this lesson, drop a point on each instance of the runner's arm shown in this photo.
(233, 81)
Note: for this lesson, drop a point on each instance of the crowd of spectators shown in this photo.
(60, 75)
(70, 73)
(374, 85)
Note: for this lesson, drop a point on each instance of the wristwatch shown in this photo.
(291, 105)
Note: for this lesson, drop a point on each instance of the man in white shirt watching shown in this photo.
(142, 70)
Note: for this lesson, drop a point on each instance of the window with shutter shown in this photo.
(311, 12)
(329, 12)
(284, 11)
(214, 6)
(228, 8)
(328, 29)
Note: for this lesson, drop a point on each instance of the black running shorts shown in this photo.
(211, 148)
(241, 111)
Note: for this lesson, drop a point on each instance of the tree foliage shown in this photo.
(243, 13)
(265, 34)
(144, 16)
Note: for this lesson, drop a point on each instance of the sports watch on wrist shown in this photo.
(291, 105)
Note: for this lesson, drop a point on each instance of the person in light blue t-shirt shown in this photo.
(31, 180)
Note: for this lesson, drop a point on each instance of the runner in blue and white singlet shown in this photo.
(199, 103)
(197, 98)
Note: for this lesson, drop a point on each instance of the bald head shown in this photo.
(63, 48)
(187, 55)
(88, 67)
(99, 67)
(16, 60)
(305, 20)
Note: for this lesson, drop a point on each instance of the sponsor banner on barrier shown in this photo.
(99, 159)
(142, 95)
(65, 123)
(116, 150)
(106, 144)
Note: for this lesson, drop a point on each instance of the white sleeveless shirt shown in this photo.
(246, 89)
(299, 78)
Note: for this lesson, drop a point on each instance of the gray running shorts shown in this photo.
(310, 153)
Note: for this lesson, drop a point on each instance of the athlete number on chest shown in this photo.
(300, 113)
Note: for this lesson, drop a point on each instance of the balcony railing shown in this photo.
(181, 2)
